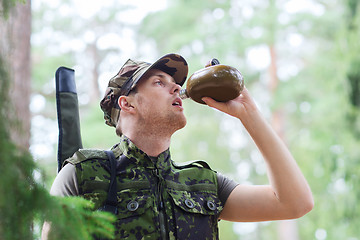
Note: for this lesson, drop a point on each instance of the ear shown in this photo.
(125, 103)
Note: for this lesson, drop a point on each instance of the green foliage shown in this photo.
(320, 134)
(319, 102)
(353, 77)
(7, 5)
(23, 198)
(93, 123)
(77, 213)
(352, 6)
(46, 64)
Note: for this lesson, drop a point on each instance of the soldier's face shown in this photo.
(158, 101)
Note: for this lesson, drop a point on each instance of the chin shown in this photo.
(183, 125)
(182, 122)
(179, 123)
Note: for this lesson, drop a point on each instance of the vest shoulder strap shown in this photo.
(191, 164)
(85, 154)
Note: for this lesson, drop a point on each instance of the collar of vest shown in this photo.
(133, 153)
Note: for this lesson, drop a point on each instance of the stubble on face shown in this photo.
(157, 121)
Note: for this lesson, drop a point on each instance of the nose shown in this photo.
(175, 88)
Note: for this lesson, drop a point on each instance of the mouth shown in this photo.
(177, 102)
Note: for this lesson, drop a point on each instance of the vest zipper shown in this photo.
(161, 208)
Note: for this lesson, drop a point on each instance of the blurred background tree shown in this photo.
(25, 203)
(300, 60)
(15, 47)
(305, 80)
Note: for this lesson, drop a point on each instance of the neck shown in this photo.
(150, 143)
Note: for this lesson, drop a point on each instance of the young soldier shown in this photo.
(157, 199)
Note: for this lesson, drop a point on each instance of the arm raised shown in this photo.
(288, 195)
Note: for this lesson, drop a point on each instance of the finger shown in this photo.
(209, 101)
(214, 104)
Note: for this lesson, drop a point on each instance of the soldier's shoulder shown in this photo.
(192, 164)
(86, 154)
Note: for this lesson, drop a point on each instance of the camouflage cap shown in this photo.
(129, 75)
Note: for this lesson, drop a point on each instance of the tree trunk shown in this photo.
(15, 47)
(95, 90)
(288, 230)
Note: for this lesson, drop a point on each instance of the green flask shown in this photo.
(220, 82)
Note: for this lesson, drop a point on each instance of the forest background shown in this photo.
(300, 60)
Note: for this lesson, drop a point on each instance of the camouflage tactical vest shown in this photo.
(156, 198)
